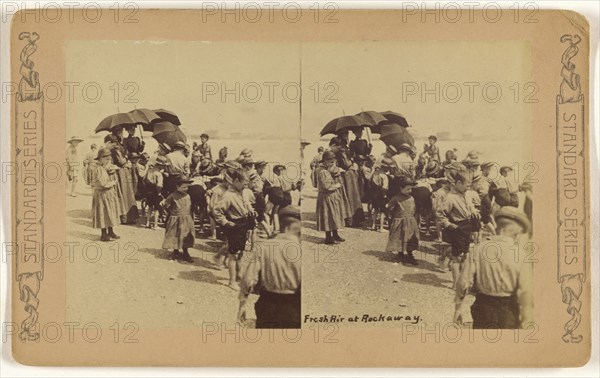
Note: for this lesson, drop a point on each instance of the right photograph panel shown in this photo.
(418, 191)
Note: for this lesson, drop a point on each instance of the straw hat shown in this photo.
(75, 139)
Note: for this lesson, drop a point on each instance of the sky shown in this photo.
(190, 78)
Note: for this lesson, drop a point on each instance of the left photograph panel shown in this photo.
(184, 169)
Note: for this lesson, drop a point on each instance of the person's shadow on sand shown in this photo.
(202, 276)
(429, 279)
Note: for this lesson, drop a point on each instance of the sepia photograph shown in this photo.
(318, 187)
(188, 186)
(421, 184)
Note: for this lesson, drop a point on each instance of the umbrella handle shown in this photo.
(368, 135)
(141, 131)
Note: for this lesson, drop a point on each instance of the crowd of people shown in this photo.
(460, 205)
(181, 188)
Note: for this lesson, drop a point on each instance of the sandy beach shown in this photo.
(145, 285)
(358, 277)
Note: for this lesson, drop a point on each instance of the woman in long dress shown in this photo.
(126, 188)
(356, 213)
(105, 212)
(331, 211)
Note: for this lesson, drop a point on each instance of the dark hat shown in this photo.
(290, 211)
(486, 164)
(246, 160)
(231, 164)
(204, 135)
(514, 214)
(304, 142)
(277, 167)
(103, 152)
(161, 160)
(407, 147)
(406, 181)
(432, 168)
(260, 163)
(327, 155)
(183, 179)
(133, 155)
(432, 137)
(505, 168)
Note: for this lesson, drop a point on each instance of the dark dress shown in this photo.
(126, 186)
(359, 147)
(133, 144)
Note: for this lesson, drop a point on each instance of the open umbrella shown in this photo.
(167, 132)
(145, 117)
(116, 120)
(375, 120)
(395, 118)
(396, 135)
(168, 115)
(344, 122)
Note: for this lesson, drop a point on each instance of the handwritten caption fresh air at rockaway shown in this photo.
(364, 318)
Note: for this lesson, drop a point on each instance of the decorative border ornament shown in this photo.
(571, 209)
(29, 188)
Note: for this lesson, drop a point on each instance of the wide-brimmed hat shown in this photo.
(246, 152)
(75, 139)
(290, 211)
(407, 147)
(231, 164)
(161, 160)
(327, 155)
(432, 168)
(103, 152)
(183, 179)
(514, 214)
(181, 145)
(260, 163)
(486, 164)
(166, 147)
(472, 159)
(304, 142)
(247, 160)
